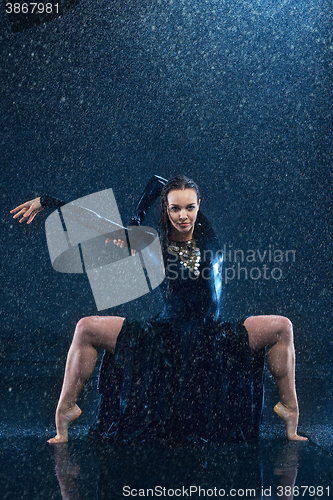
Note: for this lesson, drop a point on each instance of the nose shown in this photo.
(183, 214)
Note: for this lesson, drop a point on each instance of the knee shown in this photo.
(286, 329)
(83, 329)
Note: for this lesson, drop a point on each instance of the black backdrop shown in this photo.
(236, 94)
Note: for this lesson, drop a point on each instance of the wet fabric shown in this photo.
(170, 381)
(185, 374)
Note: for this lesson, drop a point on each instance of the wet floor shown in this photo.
(83, 469)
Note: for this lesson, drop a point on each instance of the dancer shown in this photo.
(184, 373)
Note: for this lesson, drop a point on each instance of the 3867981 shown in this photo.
(32, 8)
(303, 491)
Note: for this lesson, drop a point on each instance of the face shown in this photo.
(183, 207)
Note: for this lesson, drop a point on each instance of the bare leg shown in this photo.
(90, 334)
(276, 333)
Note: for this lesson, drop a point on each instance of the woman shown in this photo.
(183, 374)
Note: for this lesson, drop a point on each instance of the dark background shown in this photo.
(236, 94)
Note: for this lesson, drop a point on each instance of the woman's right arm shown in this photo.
(150, 194)
(28, 210)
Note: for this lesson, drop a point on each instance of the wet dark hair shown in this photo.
(179, 182)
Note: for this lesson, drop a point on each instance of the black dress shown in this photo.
(184, 374)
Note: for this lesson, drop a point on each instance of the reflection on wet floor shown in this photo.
(84, 469)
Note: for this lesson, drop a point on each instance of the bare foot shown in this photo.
(290, 418)
(63, 419)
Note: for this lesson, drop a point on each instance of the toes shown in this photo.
(58, 439)
(300, 438)
(63, 419)
(290, 419)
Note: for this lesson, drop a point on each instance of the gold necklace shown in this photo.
(188, 252)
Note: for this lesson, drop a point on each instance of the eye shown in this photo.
(192, 207)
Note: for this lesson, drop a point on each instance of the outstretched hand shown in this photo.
(28, 210)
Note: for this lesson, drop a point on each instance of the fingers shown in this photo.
(32, 216)
(29, 214)
(27, 211)
(20, 207)
(121, 244)
(24, 218)
(26, 214)
(18, 214)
